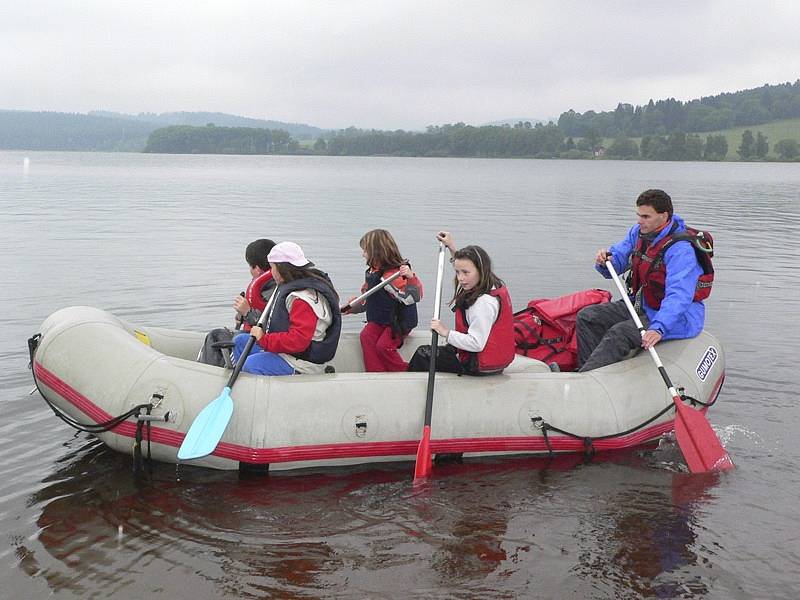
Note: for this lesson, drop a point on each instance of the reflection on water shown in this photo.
(136, 536)
(216, 534)
(645, 540)
(159, 240)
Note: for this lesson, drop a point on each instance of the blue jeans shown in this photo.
(259, 361)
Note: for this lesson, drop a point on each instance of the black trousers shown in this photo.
(606, 334)
(446, 360)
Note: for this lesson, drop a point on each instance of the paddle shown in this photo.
(378, 286)
(700, 445)
(423, 466)
(209, 425)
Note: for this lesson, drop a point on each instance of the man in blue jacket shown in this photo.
(664, 288)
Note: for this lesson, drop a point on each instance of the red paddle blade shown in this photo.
(700, 445)
(424, 462)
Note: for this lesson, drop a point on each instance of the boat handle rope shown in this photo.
(33, 343)
(588, 441)
(694, 401)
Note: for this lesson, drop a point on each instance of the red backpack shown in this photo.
(545, 330)
(703, 244)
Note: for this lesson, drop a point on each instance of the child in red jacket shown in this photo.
(392, 312)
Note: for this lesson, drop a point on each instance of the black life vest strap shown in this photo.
(673, 237)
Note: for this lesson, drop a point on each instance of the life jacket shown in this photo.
(318, 352)
(383, 309)
(545, 330)
(253, 294)
(648, 271)
(498, 352)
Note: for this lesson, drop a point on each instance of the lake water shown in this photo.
(159, 240)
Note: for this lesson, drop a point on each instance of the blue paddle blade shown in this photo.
(207, 428)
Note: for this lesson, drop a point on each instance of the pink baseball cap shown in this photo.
(288, 252)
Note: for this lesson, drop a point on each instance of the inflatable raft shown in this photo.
(92, 366)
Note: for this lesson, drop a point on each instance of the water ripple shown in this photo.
(159, 240)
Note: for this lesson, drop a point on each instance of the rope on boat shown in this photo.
(108, 425)
(588, 441)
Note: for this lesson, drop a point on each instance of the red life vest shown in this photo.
(649, 272)
(253, 294)
(498, 352)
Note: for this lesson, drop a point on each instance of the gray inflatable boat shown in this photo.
(111, 377)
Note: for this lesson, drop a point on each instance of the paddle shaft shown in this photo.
(437, 307)
(377, 287)
(673, 392)
(422, 467)
(249, 346)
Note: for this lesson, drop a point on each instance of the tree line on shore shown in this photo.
(662, 129)
(547, 141)
(459, 140)
(185, 139)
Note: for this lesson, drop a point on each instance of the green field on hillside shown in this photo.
(788, 129)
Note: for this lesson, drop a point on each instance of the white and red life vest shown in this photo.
(499, 350)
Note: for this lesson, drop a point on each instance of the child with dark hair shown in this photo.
(251, 302)
(248, 305)
(391, 312)
(482, 341)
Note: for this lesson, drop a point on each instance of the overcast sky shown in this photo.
(395, 64)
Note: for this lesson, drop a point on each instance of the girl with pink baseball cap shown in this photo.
(303, 323)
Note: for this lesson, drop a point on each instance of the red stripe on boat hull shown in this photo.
(237, 452)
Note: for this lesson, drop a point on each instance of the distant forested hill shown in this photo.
(183, 139)
(712, 113)
(114, 132)
(660, 130)
(22, 130)
(299, 131)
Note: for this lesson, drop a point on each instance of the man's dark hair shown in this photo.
(658, 199)
(256, 253)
